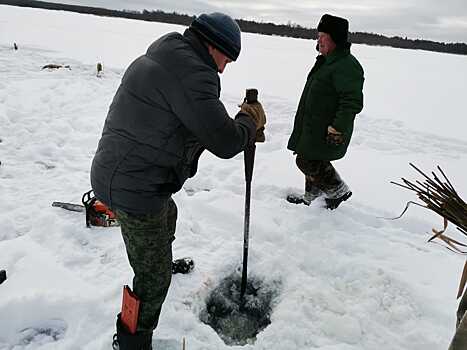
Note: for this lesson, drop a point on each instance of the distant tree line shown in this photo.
(288, 30)
(404, 43)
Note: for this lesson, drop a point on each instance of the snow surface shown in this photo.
(349, 279)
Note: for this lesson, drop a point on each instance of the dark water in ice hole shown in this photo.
(237, 321)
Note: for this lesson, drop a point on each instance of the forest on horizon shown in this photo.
(288, 30)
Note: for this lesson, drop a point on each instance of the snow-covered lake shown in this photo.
(350, 280)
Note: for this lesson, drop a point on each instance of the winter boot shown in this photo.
(336, 196)
(123, 340)
(309, 196)
(333, 203)
(300, 198)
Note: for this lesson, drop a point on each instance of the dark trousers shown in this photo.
(320, 176)
(459, 341)
(148, 241)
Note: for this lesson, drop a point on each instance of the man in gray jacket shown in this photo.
(165, 113)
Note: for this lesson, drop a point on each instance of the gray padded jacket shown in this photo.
(164, 114)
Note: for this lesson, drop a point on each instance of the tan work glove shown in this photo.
(334, 137)
(256, 112)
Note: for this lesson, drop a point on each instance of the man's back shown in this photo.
(164, 114)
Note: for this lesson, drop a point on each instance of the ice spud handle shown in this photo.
(251, 95)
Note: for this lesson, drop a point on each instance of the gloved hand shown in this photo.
(334, 137)
(256, 112)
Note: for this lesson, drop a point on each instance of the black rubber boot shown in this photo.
(123, 340)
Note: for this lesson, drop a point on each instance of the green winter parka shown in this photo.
(332, 97)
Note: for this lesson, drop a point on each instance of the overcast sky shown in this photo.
(437, 20)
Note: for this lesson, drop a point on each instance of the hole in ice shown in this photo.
(238, 321)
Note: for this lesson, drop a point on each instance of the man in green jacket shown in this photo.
(323, 124)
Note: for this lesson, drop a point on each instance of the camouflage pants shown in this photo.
(320, 176)
(148, 241)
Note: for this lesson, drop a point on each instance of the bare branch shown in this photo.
(439, 196)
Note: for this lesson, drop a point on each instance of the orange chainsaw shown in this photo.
(97, 213)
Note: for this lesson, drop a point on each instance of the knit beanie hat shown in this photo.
(336, 27)
(221, 31)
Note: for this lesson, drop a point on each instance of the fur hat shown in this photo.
(336, 27)
(221, 31)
